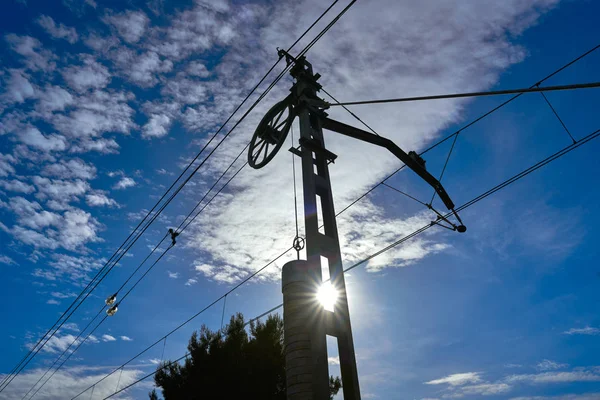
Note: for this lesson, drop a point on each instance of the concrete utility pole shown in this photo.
(306, 322)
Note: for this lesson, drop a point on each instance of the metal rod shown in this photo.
(474, 94)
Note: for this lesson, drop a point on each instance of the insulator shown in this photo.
(113, 310)
(111, 300)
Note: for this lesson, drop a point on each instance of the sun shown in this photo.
(327, 296)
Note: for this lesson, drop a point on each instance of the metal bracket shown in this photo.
(314, 146)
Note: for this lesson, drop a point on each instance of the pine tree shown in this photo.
(239, 363)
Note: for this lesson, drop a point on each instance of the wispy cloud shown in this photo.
(7, 260)
(588, 330)
(126, 339)
(556, 377)
(548, 365)
(585, 396)
(457, 379)
(124, 183)
(108, 338)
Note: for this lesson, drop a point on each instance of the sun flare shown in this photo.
(327, 296)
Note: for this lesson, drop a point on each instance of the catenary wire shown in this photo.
(473, 122)
(417, 232)
(468, 125)
(98, 325)
(534, 89)
(558, 117)
(189, 165)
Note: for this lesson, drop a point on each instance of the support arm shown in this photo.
(411, 163)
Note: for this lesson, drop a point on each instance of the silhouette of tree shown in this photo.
(232, 364)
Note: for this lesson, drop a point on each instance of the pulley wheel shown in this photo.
(270, 134)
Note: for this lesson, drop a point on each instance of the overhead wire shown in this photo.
(534, 89)
(473, 122)
(397, 170)
(10, 377)
(558, 117)
(239, 121)
(417, 232)
(80, 343)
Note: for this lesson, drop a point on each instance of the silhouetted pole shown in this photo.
(306, 323)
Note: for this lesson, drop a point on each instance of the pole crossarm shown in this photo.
(535, 89)
(412, 160)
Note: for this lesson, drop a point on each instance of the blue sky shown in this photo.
(102, 104)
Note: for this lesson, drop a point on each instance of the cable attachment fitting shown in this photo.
(420, 160)
(113, 310)
(173, 236)
(461, 228)
(289, 59)
(298, 243)
(110, 300)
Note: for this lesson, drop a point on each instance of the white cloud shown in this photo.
(333, 360)
(588, 330)
(90, 75)
(103, 146)
(586, 396)
(74, 269)
(407, 68)
(31, 49)
(59, 31)
(70, 381)
(74, 168)
(53, 98)
(18, 87)
(53, 302)
(33, 137)
(196, 68)
(126, 339)
(17, 186)
(173, 275)
(222, 273)
(191, 282)
(108, 338)
(556, 377)
(484, 389)
(99, 199)
(143, 69)
(548, 365)
(457, 379)
(130, 25)
(124, 183)
(6, 165)
(62, 191)
(60, 295)
(96, 113)
(154, 361)
(59, 343)
(4, 259)
(157, 126)
(71, 326)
